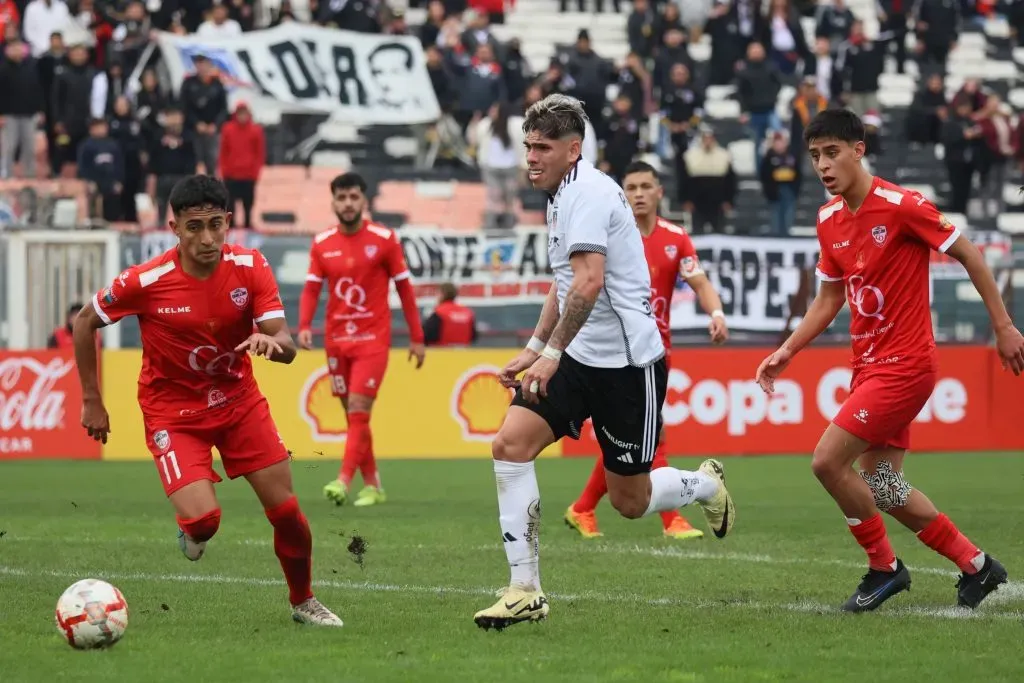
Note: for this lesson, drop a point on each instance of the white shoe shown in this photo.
(314, 613)
(191, 548)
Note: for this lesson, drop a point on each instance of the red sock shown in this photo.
(872, 537)
(355, 445)
(594, 491)
(293, 545)
(943, 537)
(368, 463)
(203, 528)
(661, 460)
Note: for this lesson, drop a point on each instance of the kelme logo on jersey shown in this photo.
(879, 233)
(320, 409)
(240, 297)
(479, 402)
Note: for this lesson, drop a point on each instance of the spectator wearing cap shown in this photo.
(640, 29)
(205, 102)
(893, 15)
(21, 103)
(927, 112)
(706, 183)
(833, 22)
(78, 96)
(859, 64)
(592, 74)
(780, 182)
(757, 86)
(220, 24)
(805, 106)
(101, 165)
(243, 152)
(43, 18)
(937, 24)
(171, 158)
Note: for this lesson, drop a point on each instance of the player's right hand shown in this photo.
(1010, 345)
(771, 367)
(519, 364)
(306, 339)
(95, 419)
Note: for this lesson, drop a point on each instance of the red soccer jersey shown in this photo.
(358, 269)
(190, 327)
(881, 253)
(670, 253)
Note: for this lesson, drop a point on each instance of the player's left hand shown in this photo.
(535, 381)
(419, 352)
(1010, 345)
(259, 344)
(718, 330)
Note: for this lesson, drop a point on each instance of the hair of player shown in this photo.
(641, 167)
(74, 308)
(198, 192)
(346, 181)
(448, 291)
(390, 47)
(556, 117)
(835, 124)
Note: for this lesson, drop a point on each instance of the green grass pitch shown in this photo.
(759, 606)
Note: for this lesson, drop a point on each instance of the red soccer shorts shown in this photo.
(882, 405)
(360, 372)
(243, 433)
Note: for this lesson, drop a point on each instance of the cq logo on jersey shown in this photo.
(352, 294)
(210, 360)
(867, 299)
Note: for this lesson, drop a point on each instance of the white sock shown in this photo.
(519, 517)
(672, 489)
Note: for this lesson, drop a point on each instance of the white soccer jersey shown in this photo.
(589, 212)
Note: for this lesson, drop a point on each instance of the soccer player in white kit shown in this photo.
(596, 352)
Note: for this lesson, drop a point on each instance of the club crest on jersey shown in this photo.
(671, 251)
(879, 233)
(240, 297)
(370, 250)
(162, 440)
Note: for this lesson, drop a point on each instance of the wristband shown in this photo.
(551, 353)
(717, 313)
(535, 345)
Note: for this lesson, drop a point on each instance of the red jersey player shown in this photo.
(196, 306)
(670, 254)
(357, 259)
(875, 240)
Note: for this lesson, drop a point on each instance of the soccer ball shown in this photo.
(92, 613)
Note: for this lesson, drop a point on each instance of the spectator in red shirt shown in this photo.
(9, 16)
(451, 324)
(243, 151)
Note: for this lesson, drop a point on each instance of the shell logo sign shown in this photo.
(479, 402)
(321, 409)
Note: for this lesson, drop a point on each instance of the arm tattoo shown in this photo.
(577, 310)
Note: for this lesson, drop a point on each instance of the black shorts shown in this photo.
(624, 404)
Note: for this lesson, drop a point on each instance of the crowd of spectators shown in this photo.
(64, 70)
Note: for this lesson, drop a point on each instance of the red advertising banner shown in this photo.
(40, 406)
(713, 405)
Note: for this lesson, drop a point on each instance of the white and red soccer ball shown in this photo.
(92, 614)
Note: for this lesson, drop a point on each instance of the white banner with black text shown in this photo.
(359, 78)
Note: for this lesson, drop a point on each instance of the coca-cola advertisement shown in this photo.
(40, 407)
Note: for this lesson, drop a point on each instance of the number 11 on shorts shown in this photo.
(169, 462)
